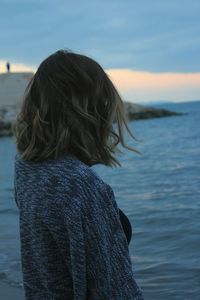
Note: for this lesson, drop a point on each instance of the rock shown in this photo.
(7, 117)
(134, 112)
(139, 112)
(12, 86)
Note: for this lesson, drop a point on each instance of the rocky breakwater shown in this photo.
(139, 112)
(12, 86)
(7, 117)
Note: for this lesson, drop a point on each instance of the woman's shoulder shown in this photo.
(67, 175)
(78, 169)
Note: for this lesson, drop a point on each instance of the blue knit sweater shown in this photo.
(72, 242)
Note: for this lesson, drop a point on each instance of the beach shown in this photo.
(8, 292)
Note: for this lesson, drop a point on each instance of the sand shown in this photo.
(8, 292)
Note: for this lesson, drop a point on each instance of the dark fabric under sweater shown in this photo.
(126, 225)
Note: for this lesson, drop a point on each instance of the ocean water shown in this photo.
(159, 190)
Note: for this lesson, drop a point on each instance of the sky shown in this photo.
(149, 49)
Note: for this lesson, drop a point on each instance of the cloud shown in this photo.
(158, 36)
(138, 86)
(142, 86)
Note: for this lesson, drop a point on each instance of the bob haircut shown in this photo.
(69, 107)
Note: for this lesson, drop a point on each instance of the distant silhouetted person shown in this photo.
(8, 67)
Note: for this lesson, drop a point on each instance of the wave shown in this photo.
(11, 211)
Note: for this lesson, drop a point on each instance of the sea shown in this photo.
(159, 191)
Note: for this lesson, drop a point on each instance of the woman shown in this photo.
(73, 245)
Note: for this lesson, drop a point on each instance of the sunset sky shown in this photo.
(150, 49)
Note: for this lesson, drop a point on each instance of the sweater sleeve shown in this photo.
(109, 267)
(86, 227)
(64, 221)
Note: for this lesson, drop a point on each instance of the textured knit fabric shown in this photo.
(72, 242)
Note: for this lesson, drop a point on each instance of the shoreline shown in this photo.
(9, 292)
(133, 112)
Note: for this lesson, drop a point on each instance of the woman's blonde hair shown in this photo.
(69, 107)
